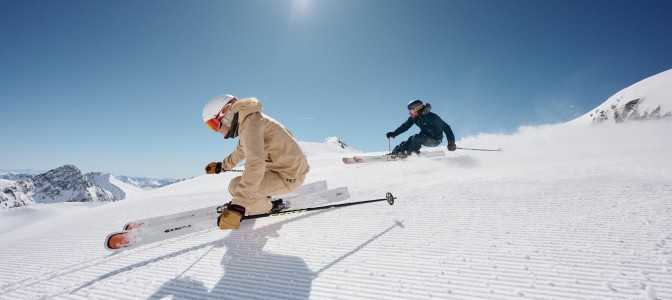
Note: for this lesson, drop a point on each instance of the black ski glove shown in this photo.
(390, 134)
(452, 147)
(214, 168)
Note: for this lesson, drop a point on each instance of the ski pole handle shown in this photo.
(476, 149)
(216, 168)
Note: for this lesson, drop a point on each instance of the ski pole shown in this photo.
(389, 145)
(476, 149)
(388, 197)
(208, 168)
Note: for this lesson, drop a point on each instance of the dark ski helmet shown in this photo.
(416, 108)
(413, 105)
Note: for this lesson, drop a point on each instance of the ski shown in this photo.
(388, 157)
(128, 239)
(306, 189)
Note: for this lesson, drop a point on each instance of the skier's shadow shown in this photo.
(250, 272)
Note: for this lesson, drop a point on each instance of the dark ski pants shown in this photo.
(415, 142)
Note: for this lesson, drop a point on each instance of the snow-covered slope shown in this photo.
(332, 146)
(129, 190)
(650, 98)
(15, 219)
(5, 183)
(565, 212)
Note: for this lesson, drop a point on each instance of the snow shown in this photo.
(654, 92)
(129, 190)
(26, 216)
(569, 211)
(5, 183)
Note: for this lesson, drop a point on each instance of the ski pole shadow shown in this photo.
(249, 271)
(360, 247)
(252, 273)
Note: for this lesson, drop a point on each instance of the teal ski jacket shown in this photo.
(430, 125)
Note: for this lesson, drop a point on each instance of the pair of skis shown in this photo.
(146, 231)
(388, 157)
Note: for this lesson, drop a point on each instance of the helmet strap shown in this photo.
(233, 129)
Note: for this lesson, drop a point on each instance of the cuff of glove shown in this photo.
(236, 208)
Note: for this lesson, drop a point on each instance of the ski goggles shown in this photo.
(415, 111)
(222, 118)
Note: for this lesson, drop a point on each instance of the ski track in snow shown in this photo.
(526, 223)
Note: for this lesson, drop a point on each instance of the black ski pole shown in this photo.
(389, 145)
(388, 197)
(476, 149)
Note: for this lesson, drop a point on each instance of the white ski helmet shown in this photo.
(217, 111)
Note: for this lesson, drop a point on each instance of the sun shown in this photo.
(300, 8)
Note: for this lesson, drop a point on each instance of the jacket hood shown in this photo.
(241, 109)
(246, 106)
(427, 108)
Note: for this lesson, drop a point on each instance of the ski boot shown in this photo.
(278, 206)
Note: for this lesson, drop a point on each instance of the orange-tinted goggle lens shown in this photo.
(213, 124)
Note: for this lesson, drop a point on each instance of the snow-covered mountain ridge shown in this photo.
(648, 99)
(63, 184)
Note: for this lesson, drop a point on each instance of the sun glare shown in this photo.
(300, 8)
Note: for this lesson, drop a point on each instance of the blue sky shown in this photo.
(118, 86)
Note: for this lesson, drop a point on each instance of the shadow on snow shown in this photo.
(249, 271)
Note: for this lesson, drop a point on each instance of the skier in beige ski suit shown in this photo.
(274, 162)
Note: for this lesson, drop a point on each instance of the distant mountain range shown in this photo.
(18, 174)
(69, 184)
(145, 182)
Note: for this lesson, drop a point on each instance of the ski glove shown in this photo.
(231, 216)
(390, 134)
(452, 147)
(214, 168)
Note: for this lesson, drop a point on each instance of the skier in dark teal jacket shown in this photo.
(432, 128)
